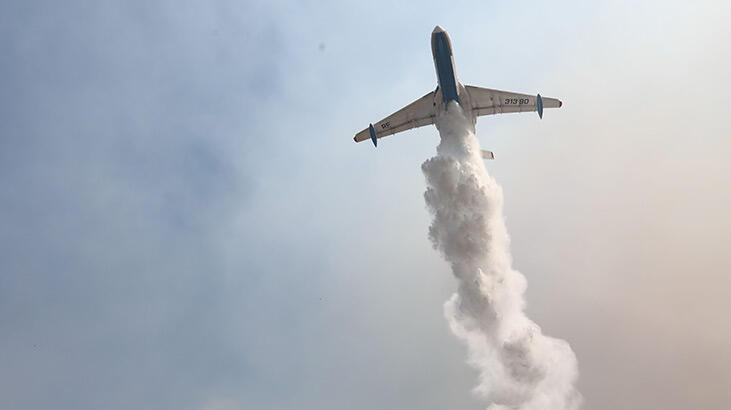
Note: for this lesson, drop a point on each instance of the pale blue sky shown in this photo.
(186, 223)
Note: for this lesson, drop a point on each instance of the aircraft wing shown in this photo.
(488, 102)
(417, 114)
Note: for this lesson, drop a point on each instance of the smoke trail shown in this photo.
(520, 368)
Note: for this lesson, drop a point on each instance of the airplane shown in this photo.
(475, 101)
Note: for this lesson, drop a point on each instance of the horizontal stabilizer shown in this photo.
(487, 154)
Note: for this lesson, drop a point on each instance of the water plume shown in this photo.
(519, 367)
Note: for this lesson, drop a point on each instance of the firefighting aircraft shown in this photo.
(475, 101)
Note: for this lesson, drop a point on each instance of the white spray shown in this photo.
(520, 368)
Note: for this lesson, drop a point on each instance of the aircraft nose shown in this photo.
(437, 29)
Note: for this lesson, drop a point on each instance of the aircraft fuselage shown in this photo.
(441, 48)
(450, 89)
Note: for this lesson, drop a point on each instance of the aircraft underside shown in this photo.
(475, 101)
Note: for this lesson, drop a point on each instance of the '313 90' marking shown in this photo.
(516, 101)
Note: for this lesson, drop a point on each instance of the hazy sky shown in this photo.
(186, 223)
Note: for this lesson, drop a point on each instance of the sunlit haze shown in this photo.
(186, 222)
